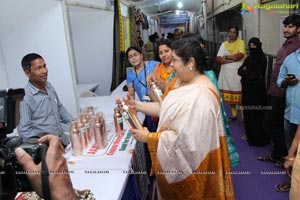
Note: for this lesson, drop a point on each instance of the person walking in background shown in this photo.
(149, 48)
(178, 33)
(140, 42)
(254, 95)
(170, 36)
(155, 47)
(274, 119)
(231, 56)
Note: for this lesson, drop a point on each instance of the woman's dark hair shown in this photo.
(170, 36)
(187, 48)
(236, 28)
(166, 42)
(138, 49)
(151, 38)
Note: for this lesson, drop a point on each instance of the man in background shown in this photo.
(274, 118)
(178, 33)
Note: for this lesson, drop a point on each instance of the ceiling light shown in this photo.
(179, 4)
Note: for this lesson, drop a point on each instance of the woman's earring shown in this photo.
(190, 68)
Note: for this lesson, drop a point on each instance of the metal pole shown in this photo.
(70, 50)
(257, 21)
(205, 18)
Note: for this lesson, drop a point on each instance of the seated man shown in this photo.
(41, 112)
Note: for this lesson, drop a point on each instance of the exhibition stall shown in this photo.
(70, 37)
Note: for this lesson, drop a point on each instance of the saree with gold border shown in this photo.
(189, 153)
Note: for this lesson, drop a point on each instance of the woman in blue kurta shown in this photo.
(136, 82)
(136, 79)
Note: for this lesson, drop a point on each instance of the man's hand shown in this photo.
(289, 80)
(59, 178)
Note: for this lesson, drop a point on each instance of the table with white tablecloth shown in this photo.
(106, 172)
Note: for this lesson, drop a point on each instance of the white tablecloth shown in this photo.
(105, 174)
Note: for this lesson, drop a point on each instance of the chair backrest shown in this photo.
(88, 94)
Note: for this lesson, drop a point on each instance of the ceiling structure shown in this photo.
(167, 10)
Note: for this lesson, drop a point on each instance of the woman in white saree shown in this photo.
(188, 151)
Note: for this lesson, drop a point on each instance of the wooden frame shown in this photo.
(266, 1)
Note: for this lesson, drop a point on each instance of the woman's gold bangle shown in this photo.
(289, 158)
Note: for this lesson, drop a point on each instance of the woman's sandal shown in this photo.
(244, 137)
(283, 187)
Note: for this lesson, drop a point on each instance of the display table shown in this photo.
(106, 172)
(93, 101)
